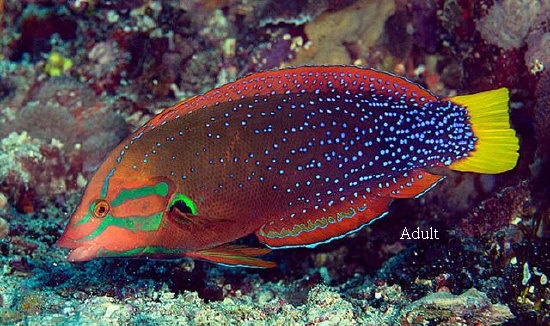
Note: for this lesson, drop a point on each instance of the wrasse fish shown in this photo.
(300, 156)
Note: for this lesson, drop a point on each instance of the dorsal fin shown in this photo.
(306, 77)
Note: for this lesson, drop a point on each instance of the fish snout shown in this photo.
(84, 252)
(79, 251)
(66, 242)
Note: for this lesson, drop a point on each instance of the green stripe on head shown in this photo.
(153, 250)
(134, 224)
(160, 189)
(106, 184)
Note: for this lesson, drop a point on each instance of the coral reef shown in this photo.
(77, 76)
(324, 305)
(36, 170)
(105, 65)
(491, 215)
(16, 149)
(537, 57)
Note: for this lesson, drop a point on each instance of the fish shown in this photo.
(299, 156)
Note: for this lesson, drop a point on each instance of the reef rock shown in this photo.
(360, 24)
(470, 308)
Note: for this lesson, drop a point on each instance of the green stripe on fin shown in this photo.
(309, 230)
(234, 256)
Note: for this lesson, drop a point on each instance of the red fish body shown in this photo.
(300, 156)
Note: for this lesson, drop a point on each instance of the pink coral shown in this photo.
(106, 63)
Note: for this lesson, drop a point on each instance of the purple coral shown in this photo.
(542, 115)
(537, 56)
(508, 22)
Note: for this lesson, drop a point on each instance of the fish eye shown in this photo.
(100, 208)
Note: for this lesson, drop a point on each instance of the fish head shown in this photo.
(118, 217)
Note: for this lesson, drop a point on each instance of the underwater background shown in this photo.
(78, 76)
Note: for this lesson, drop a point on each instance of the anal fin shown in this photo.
(234, 255)
(312, 227)
(414, 183)
(317, 227)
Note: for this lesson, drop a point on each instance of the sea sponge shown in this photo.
(360, 24)
(68, 111)
(102, 131)
(65, 91)
(57, 64)
(537, 56)
(507, 23)
(47, 121)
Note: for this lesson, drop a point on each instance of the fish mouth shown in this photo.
(80, 251)
(67, 242)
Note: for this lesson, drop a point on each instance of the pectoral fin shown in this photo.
(187, 220)
(183, 212)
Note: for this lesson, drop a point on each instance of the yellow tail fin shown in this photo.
(497, 146)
